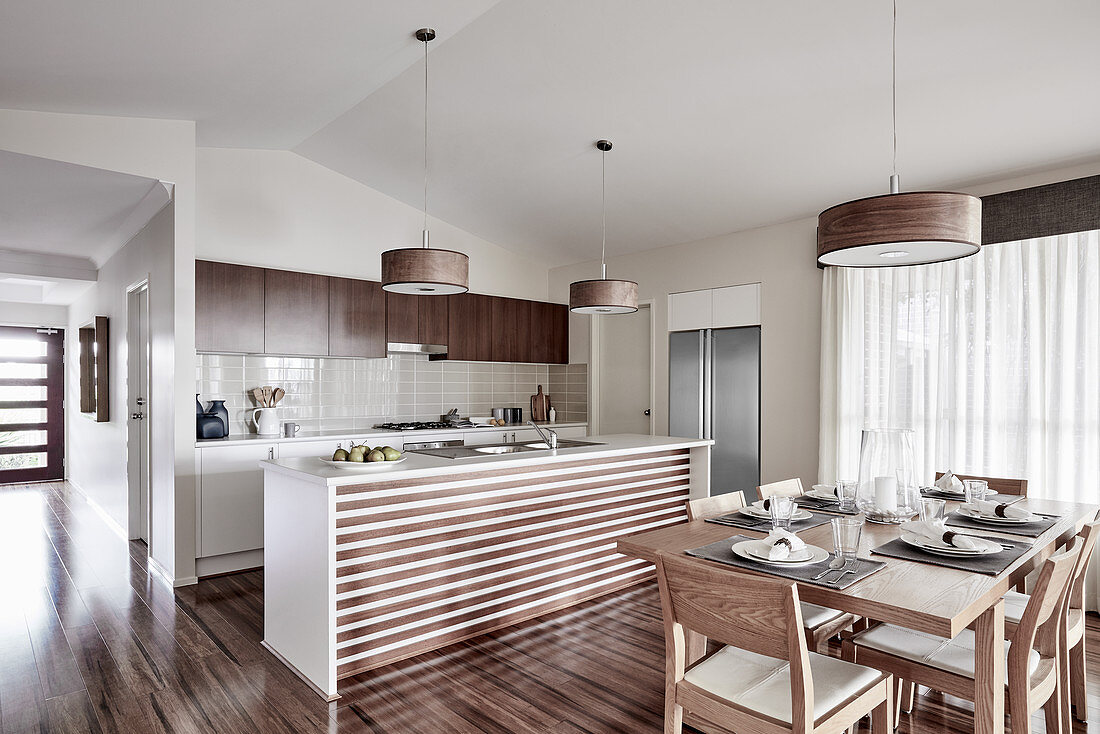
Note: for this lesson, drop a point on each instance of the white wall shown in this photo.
(277, 209)
(97, 452)
(782, 258)
(33, 314)
(165, 150)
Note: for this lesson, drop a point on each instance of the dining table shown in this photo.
(921, 596)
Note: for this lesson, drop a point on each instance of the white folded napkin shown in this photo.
(827, 489)
(986, 507)
(950, 483)
(783, 544)
(937, 532)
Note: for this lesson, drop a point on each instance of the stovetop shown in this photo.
(414, 426)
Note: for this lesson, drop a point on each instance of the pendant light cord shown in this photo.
(603, 214)
(425, 241)
(894, 95)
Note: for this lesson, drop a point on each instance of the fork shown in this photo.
(845, 571)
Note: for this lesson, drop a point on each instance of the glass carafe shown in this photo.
(888, 491)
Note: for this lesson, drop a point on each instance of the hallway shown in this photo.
(90, 643)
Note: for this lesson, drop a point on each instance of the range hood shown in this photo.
(406, 348)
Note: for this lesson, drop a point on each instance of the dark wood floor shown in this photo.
(89, 642)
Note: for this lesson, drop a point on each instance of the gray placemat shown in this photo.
(1029, 529)
(722, 552)
(763, 525)
(990, 565)
(937, 494)
(814, 503)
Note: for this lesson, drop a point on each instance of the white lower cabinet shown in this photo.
(231, 487)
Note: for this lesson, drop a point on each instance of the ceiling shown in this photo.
(73, 213)
(725, 114)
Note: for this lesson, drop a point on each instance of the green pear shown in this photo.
(391, 453)
(340, 455)
(356, 454)
(376, 455)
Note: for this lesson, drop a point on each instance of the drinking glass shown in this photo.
(846, 491)
(782, 510)
(975, 489)
(846, 534)
(932, 510)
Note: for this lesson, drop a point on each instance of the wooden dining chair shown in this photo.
(716, 506)
(947, 665)
(1015, 487)
(782, 488)
(821, 623)
(764, 679)
(1073, 676)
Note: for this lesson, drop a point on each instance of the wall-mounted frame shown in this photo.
(95, 380)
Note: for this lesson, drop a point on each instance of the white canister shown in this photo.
(267, 423)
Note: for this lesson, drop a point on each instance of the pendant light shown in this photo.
(603, 295)
(422, 270)
(895, 229)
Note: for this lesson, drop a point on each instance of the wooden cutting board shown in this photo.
(540, 406)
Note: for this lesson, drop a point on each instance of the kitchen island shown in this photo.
(364, 567)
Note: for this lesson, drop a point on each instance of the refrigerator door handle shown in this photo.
(708, 375)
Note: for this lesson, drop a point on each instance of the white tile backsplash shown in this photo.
(325, 393)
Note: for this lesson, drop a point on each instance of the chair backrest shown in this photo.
(1045, 610)
(784, 488)
(1016, 487)
(716, 506)
(744, 611)
(1088, 535)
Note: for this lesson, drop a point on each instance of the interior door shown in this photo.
(32, 404)
(625, 379)
(143, 409)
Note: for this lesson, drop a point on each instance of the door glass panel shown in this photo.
(22, 438)
(22, 461)
(22, 392)
(22, 415)
(22, 371)
(22, 347)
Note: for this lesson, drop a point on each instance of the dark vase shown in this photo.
(217, 408)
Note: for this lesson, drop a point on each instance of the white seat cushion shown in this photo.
(1015, 602)
(763, 684)
(815, 616)
(954, 656)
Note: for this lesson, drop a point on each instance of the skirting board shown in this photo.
(298, 673)
(103, 514)
(229, 563)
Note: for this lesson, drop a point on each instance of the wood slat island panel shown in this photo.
(424, 560)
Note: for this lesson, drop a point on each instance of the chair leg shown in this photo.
(1052, 715)
(883, 720)
(674, 712)
(1077, 681)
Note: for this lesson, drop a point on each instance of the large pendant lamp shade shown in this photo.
(422, 270)
(912, 228)
(603, 295)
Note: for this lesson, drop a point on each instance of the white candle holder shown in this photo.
(887, 492)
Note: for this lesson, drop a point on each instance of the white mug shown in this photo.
(267, 423)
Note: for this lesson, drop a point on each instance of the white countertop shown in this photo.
(316, 472)
(239, 440)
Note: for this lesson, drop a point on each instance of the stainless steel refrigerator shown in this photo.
(714, 392)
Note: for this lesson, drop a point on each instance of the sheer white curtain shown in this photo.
(993, 360)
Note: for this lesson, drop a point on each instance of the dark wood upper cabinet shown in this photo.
(469, 330)
(356, 318)
(295, 313)
(229, 308)
(432, 319)
(402, 318)
(549, 333)
(511, 322)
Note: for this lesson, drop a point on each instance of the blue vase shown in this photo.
(217, 408)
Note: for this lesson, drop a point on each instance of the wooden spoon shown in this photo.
(258, 394)
(277, 396)
(267, 396)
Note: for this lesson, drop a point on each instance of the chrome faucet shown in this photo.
(550, 437)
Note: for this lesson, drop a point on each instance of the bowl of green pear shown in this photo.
(363, 457)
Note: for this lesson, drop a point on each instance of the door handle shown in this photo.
(647, 411)
(137, 416)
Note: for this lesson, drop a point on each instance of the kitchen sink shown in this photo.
(508, 449)
(563, 443)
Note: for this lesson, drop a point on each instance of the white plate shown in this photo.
(818, 556)
(823, 492)
(759, 549)
(759, 512)
(975, 515)
(360, 465)
(986, 547)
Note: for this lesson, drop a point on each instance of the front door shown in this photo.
(32, 404)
